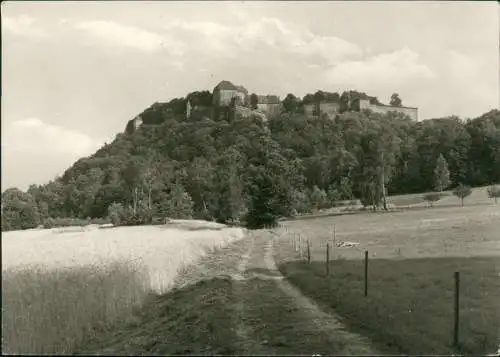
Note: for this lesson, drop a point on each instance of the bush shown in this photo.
(494, 192)
(432, 197)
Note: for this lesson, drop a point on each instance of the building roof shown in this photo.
(268, 99)
(242, 89)
(225, 85)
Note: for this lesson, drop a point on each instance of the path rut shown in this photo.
(258, 308)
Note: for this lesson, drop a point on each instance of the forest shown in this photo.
(252, 172)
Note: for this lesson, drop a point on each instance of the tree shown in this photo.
(116, 213)
(395, 100)
(290, 103)
(462, 191)
(441, 174)
(432, 197)
(177, 204)
(19, 210)
(318, 198)
(150, 177)
(264, 207)
(254, 100)
(494, 192)
(301, 202)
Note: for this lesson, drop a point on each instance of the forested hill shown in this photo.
(247, 169)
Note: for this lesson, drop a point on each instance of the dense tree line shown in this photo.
(253, 172)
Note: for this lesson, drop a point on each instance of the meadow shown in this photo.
(413, 255)
(61, 286)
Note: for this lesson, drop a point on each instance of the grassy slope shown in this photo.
(187, 321)
(409, 308)
(424, 248)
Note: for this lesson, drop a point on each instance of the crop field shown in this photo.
(60, 285)
(193, 288)
(413, 255)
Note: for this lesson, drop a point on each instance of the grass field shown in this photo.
(61, 285)
(412, 257)
(110, 290)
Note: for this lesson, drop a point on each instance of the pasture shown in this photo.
(59, 286)
(412, 257)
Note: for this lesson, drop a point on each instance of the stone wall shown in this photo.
(330, 108)
(271, 110)
(384, 109)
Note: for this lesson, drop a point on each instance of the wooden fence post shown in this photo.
(366, 273)
(456, 308)
(327, 258)
(308, 252)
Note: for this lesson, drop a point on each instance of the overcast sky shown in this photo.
(74, 73)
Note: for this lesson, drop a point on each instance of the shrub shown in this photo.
(432, 197)
(494, 192)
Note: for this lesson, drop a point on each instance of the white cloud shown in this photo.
(22, 26)
(384, 71)
(267, 35)
(34, 135)
(35, 152)
(116, 34)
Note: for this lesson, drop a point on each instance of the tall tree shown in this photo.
(253, 101)
(441, 174)
(290, 103)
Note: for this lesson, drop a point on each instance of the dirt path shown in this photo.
(235, 301)
(325, 322)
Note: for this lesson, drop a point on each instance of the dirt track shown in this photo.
(256, 311)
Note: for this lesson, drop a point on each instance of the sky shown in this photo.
(74, 73)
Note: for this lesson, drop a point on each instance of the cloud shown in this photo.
(34, 151)
(466, 71)
(267, 36)
(22, 26)
(34, 135)
(383, 71)
(113, 33)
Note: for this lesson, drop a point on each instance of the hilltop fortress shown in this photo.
(228, 100)
(226, 94)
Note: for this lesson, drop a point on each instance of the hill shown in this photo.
(234, 168)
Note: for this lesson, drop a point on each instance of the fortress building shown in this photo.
(225, 91)
(384, 109)
(329, 107)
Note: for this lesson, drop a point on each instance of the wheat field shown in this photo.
(61, 285)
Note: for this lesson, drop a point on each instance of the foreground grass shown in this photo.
(46, 312)
(192, 320)
(409, 308)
